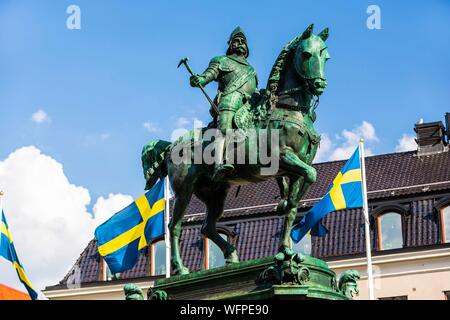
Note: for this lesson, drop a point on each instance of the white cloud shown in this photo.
(105, 136)
(345, 143)
(177, 133)
(40, 116)
(47, 216)
(104, 208)
(182, 121)
(184, 125)
(151, 127)
(406, 143)
(324, 148)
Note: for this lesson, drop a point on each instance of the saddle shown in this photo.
(258, 116)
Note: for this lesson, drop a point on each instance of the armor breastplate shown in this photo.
(237, 82)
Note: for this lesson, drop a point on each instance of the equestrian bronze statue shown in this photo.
(283, 111)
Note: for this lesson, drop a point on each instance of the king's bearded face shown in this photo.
(239, 46)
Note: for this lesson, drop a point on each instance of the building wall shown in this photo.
(419, 275)
(104, 292)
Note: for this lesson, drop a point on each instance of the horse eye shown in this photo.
(306, 55)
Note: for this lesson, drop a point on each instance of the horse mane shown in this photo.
(279, 65)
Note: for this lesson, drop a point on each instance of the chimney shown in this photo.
(447, 125)
(431, 137)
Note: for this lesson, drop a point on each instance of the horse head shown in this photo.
(309, 59)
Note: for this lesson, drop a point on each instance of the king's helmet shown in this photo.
(237, 32)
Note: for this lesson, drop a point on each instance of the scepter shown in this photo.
(213, 105)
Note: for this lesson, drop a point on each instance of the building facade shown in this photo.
(409, 207)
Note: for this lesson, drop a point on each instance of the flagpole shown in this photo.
(166, 224)
(366, 221)
(1, 201)
(1, 213)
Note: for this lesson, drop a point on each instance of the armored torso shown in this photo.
(236, 78)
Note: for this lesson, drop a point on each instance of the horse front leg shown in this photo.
(297, 189)
(302, 175)
(290, 162)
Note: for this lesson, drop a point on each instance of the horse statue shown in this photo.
(286, 107)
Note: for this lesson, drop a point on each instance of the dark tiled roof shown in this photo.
(258, 229)
(86, 268)
(388, 175)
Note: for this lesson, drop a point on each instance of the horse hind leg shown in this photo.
(214, 209)
(181, 202)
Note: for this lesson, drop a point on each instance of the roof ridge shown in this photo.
(370, 156)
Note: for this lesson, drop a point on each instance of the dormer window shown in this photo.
(390, 235)
(213, 256)
(158, 258)
(106, 274)
(445, 224)
(442, 208)
(303, 246)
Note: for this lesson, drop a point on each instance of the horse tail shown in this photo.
(153, 158)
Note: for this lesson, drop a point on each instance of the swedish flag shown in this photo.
(128, 231)
(8, 251)
(345, 192)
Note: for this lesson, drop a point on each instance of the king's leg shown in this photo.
(222, 167)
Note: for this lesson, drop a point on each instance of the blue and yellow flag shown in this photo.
(8, 251)
(120, 239)
(345, 192)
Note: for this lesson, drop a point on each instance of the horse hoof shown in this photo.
(288, 252)
(178, 268)
(232, 258)
(181, 271)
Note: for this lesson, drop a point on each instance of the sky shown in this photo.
(77, 106)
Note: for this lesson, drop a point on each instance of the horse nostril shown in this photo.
(317, 84)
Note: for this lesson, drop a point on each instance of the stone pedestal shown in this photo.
(279, 277)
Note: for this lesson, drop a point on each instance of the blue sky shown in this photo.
(107, 89)
(99, 84)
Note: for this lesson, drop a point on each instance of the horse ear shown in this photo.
(307, 33)
(324, 34)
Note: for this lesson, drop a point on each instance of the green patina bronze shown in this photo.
(280, 277)
(287, 105)
(133, 292)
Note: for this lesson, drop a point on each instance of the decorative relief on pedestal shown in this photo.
(156, 294)
(348, 283)
(288, 270)
(133, 292)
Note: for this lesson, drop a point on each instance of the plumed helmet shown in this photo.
(237, 32)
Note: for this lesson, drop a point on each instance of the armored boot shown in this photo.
(221, 169)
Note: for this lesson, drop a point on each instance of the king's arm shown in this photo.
(210, 74)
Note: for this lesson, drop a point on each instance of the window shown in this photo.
(390, 231)
(303, 246)
(447, 295)
(445, 223)
(394, 298)
(158, 258)
(106, 274)
(213, 257)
